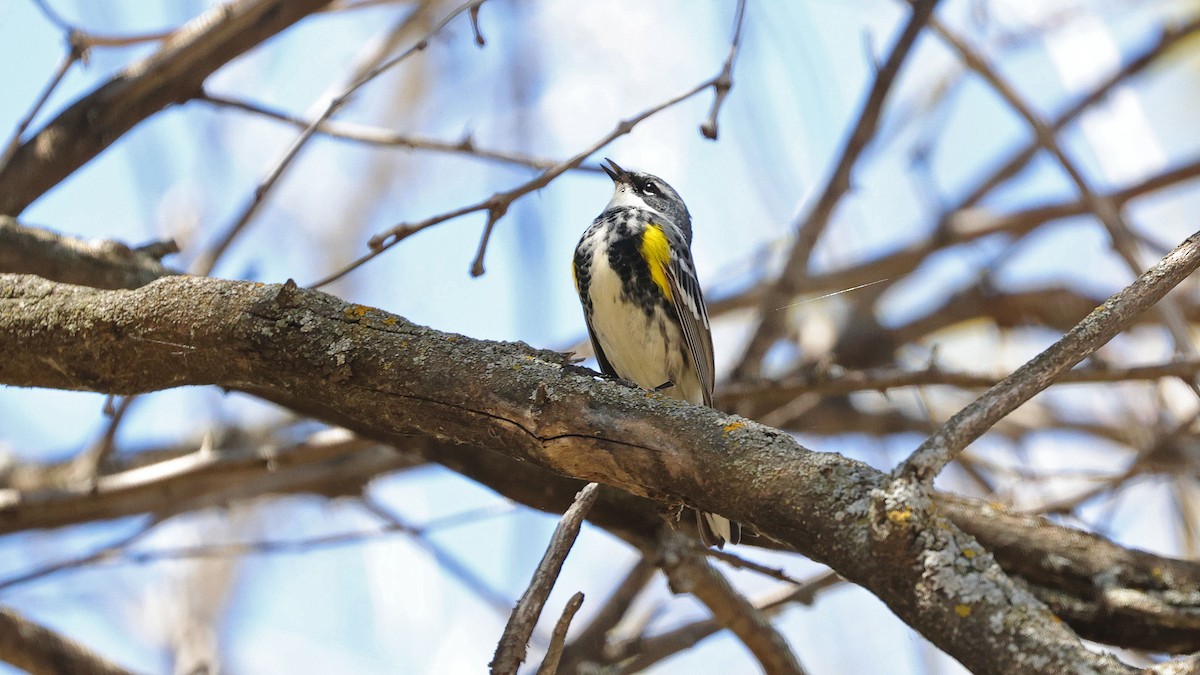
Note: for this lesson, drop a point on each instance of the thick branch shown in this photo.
(387, 378)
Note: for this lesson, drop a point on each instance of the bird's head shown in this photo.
(647, 191)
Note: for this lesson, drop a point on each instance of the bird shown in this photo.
(642, 304)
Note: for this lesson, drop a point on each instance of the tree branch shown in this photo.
(386, 378)
(173, 74)
(58, 257)
(41, 651)
(1096, 329)
(510, 652)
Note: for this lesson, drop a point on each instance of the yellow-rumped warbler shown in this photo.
(642, 302)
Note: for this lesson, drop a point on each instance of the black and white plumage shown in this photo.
(642, 302)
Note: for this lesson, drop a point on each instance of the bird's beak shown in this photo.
(615, 172)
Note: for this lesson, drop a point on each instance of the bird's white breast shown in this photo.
(646, 349)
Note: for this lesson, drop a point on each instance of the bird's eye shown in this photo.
(652, 189)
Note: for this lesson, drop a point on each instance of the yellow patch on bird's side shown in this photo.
(657, 253)
(575, 276)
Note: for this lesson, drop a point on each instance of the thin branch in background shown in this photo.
(73, 55)
(109, 552)
(809, 230)
(724, 81)
(742, 563)
(588, 645)
(559, 637)
(510, 651)
(1170, 38)
(386, 137)
(205, 263)
(690, 572)
(90, 461)
(87, 39)
(447, 560)
(639, 654)
(1040, 372)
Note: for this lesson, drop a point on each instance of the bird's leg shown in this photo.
(665, 385)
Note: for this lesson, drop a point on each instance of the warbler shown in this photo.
(642, 303)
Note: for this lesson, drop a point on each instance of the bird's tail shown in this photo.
(717, 530)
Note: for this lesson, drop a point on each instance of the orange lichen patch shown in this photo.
(900, 516)
(733, 426)
(962, 610)
(391, 321)
(969, 553)
(357, 311)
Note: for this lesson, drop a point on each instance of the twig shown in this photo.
(559, 637)
(204, 265)
(74, 53)
(648, 651)
(1096, 329)
(448, 561)
(742, 563)
(387, 137)
(689, 572)
(884, 379)
(810, 228)
(510, 651)
(588, 645)
(104, 553)
(724, 81)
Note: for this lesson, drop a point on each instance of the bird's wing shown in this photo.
(693, 319)
(605, 366)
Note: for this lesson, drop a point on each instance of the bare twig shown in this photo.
(103, 553)
(810, 228)
(387, 137)
(559, 637)
(724, 81)
(510, 651)
(883, 379)
(1098, 328)
(73, 55)
(1170, 38)
(589, 643)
